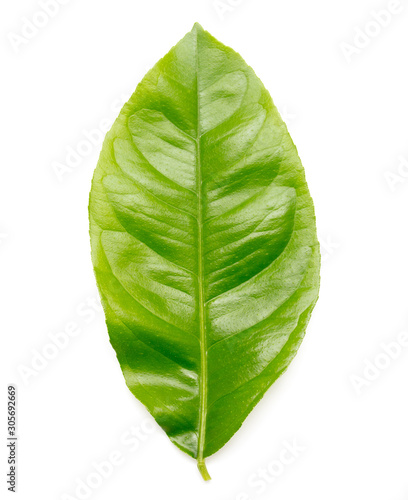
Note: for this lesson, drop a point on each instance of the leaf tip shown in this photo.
(197, 28)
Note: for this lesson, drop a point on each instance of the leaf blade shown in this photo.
(204, 243)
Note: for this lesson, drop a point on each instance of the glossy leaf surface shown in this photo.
(203, 243)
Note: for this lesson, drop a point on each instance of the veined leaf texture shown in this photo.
(203, 242)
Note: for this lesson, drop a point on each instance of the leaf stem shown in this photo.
(203, 470)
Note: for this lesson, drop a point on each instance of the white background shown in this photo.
(349, 122)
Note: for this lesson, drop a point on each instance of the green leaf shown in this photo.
(203, 243)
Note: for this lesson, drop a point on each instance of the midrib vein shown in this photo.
(201, 297)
